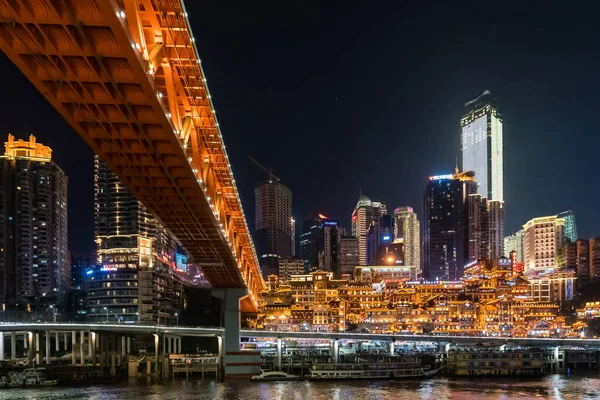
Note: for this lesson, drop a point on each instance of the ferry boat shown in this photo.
(389, 369)
(488, 362)
(27, 377)
(272, 376)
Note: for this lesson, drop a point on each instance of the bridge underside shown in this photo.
(126, 76)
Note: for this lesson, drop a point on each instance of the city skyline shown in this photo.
(535, 114)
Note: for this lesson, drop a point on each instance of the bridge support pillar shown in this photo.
(47, 343)
(29, 346)
(392, 349)
(56, 342)
(38, 354)
(81, 352)
(1, 346)
(336, 350)
(236, 363)
(73, 347)
(13, 346)
(279, 348)
(128, 345)
(93, 347)
(123, 348)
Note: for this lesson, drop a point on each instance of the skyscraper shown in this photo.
(365, 212)
(445, 239)
(309, 242)
(273, 235)
(379, 234)
(35, 271)
(348, 254)
(481, 142)
(570, 225)
(542, 240)
(137, 279)
(486, 228)
(478, 228)
(329, 237)
(408, 230)
(514, 243)
(496, 226)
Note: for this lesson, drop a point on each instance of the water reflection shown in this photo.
(552, 387)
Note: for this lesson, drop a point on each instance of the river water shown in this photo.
(550, 387)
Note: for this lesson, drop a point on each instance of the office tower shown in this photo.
(309, 242)
(136, 279)
(481, 142)
(82, 266)
(479, 227)
(514, 243)
(445, 239)
(543, 237)
(273, 235)
(582, 262)
(289, 267)
(379, 234)
(329, 237)
(293, 228)
(408, 230)
(35, 271)
(496, 227)
(365, 212)
(570, 225)
(594, 265)
(348, 253)
(390, 254)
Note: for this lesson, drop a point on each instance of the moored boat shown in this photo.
(271, 376)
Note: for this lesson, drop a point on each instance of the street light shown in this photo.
(177, 316)
(106, 309)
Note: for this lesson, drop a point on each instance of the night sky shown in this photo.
(337, 98)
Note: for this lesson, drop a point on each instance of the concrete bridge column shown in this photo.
(113, 355)
(123, 347)
(279, 358)
(81, 352)
(90, 345)
(335, 345)
(13, 346)
(128, 345)
(236, 363)
(392, 349)
(29, 345)
(47, 342)
(1, 346)
(73, 347)
(156, 353)
(56, 342)
(93, 347)
(38, 354)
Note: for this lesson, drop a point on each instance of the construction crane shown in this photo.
(268, 171)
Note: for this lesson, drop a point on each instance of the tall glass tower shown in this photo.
(481, 142)
(570, 225)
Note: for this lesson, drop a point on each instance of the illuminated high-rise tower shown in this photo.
(408, 230)
(481, 142)
(273, 235)
(136, 278)
(35, 272)
(365, 212)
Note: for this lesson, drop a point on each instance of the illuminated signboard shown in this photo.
(386, 237)
(331, 223)
(436, 177)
